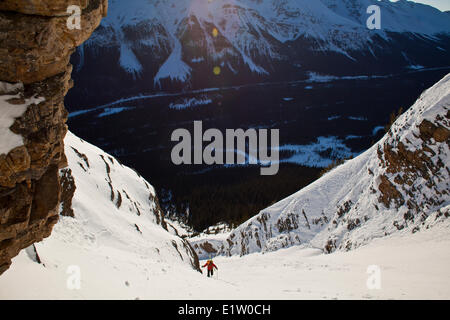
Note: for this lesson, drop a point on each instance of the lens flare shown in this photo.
(217, 71)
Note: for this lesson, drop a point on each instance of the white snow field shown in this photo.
(413, 266)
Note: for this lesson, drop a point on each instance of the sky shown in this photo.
(442, 5)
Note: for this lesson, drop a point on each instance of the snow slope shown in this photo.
(250, 33)
(412, 266)
(117, 230)
(208, 243)
(402, 182)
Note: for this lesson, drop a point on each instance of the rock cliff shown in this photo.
(35, 75)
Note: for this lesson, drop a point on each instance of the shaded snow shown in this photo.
(174, 68)
(128, 61)
(110, 111)
(320, 153)
(357, 118)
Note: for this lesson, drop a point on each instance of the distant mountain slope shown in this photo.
(401, 183)
(208, 243)
(148, 45)
(401, 16)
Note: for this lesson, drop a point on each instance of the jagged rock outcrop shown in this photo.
(208, 243)
(35, 76)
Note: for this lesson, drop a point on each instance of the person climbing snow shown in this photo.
(210, 265)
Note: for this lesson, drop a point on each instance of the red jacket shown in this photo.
(210, 265)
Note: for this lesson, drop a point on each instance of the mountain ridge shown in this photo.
(175, 45)
(401, 183)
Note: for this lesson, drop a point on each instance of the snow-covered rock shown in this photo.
(249, 28)
(412, 266)
(401, 183)
(209, 242)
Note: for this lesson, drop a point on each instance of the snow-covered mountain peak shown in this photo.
(113, 206)
(251, 35)
(401, 16)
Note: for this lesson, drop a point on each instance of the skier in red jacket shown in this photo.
(210, 264)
